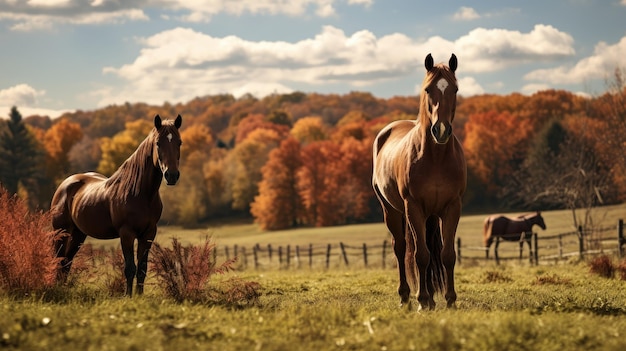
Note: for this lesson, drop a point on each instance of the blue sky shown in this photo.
(63, 55)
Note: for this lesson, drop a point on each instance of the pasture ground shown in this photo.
(514, 306)
(509, 307)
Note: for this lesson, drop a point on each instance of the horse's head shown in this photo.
(540, 221)
(438, 96)
(167, 144)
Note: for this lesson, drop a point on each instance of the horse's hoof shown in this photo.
(451, 306)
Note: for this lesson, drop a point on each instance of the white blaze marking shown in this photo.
(169, 137)
(442, 84)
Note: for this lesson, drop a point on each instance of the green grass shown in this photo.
(508, 307)
(560, 307)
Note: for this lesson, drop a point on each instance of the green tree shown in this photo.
(21, 159)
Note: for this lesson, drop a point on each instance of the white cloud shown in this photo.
(44, 14)
(466, 14)
(468, 86)
(605, 59)
(530, 89)
(487, 50)
(21, 94)
(180, 64)
(26, 99)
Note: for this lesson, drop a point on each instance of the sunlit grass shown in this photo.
(562, 307)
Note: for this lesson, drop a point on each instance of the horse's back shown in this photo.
(69, 191)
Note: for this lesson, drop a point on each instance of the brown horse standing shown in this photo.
(127, 205)
(419, 178)
(510, 229)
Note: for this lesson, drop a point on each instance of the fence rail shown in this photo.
(542, 248)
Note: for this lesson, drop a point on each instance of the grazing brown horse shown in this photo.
(127, 205)
(419, 178)
(510, 229)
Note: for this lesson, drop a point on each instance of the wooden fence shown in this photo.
(577, 243)
(543, 248)
(298, 256)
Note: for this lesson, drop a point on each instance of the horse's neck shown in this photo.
(145, 180)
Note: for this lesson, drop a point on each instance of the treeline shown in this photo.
(304, 159)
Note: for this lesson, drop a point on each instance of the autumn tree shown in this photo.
(58, 141)
(563, 170)
(85, 155)
(495, 145)
(319, 183)
(117, 149)
(278, 204)
(20, 156)
(309, 129)
(248, 158)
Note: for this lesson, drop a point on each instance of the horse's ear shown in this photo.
(429, 63)
(157, 121)
(453, 64)
(178, 122)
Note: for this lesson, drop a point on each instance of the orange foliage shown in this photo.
(492, 141)
(278, 205)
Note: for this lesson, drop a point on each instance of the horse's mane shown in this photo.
(438, 71)
(127, 179)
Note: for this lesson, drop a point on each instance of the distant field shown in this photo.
(470, 231)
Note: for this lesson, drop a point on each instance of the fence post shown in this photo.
(328, 256)
(297, 256)
(620, 236)
(384, 253)
(236, 250)
(269, 251)
(458, 250)
(227, 253)
(365, 254)
(255, 254)
(310, 255)
(245, 257)
(560, 246)
(280, 256)
(343, 252)
(288, 255)
(581, 244)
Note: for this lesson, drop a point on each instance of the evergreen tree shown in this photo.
(20, 156)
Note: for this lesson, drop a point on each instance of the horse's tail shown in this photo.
(436, 271)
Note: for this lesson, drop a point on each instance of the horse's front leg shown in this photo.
(127, 239)
(143, 249)
(417, 254)
(450, 222)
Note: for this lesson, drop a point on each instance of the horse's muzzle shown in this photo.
(171, 177)
(441, 132)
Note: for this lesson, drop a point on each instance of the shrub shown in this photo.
(27, 259)
(184, 273)
(602, 266)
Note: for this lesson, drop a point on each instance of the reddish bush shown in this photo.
(602, 266)
(184, 273)
(27, 259)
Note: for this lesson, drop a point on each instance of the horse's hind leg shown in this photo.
(73, 243)
(396, 224)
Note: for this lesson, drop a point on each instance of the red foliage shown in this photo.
(27, 259)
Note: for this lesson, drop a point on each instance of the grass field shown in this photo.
(507, 307)
(560, 307)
